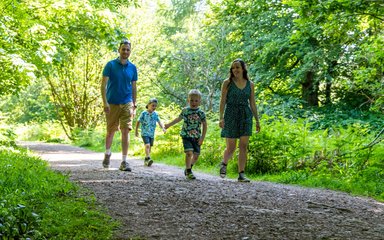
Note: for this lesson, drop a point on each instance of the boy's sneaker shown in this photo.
(107, 158)
(148, 162)
(242, 178)
(124, 166)
(223, 170)
(190, 176)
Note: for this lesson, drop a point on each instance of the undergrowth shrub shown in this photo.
(50, 131)
(7, 136)
(285, 145)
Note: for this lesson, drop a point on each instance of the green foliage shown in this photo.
(37, 203)
(338, 158)
(76, 90)
(322, 52)
(32, 104)
(16, 67)
(173, 55)
(50, 131)
(285, 145)
(7, 135)
(57, 42)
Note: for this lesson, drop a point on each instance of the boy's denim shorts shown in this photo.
(191, 144)
(148, 140)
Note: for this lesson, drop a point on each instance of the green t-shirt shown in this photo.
(192, 122)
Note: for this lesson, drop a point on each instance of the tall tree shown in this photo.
(302, 48)
(56, 41)
(185, 60)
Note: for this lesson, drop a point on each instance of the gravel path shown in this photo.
(158, 203)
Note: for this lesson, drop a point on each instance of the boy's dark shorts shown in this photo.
(148, 140)
(191, 144)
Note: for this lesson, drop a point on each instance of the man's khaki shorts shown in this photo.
(119, 114)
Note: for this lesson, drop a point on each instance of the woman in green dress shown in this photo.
(237, 108)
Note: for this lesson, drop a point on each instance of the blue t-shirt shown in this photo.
(119, 86)
(148, 123)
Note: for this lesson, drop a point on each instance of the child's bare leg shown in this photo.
(188, 168)
(194, 158)
(147, 150)
(188, 159)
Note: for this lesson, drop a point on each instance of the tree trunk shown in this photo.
(328, 87)
(310, 90)
(328, 84)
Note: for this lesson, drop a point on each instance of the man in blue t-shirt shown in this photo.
(118, 90)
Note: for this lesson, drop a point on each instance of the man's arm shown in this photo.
(134, 93)
(103, 89)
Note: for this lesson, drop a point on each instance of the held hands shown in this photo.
(164, 129)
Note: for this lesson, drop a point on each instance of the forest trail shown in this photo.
(158, 203)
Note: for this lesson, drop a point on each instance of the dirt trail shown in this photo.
(158, 203)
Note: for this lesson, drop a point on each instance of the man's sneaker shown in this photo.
(124, 166)
(242, 178)
(223, 170)
(190, 176)
(107, 158)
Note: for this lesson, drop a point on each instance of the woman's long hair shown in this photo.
(243, 66)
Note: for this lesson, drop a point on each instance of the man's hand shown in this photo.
(133, 112)
(107, 109)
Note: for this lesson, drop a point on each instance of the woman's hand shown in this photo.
(221, 123)
(257, 126)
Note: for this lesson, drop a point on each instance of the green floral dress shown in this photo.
(237, 114)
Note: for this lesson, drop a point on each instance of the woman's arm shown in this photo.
(223, 99)
(204, 132)
(252, 103)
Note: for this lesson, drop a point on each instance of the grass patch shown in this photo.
(39, 203)
(355, 185)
